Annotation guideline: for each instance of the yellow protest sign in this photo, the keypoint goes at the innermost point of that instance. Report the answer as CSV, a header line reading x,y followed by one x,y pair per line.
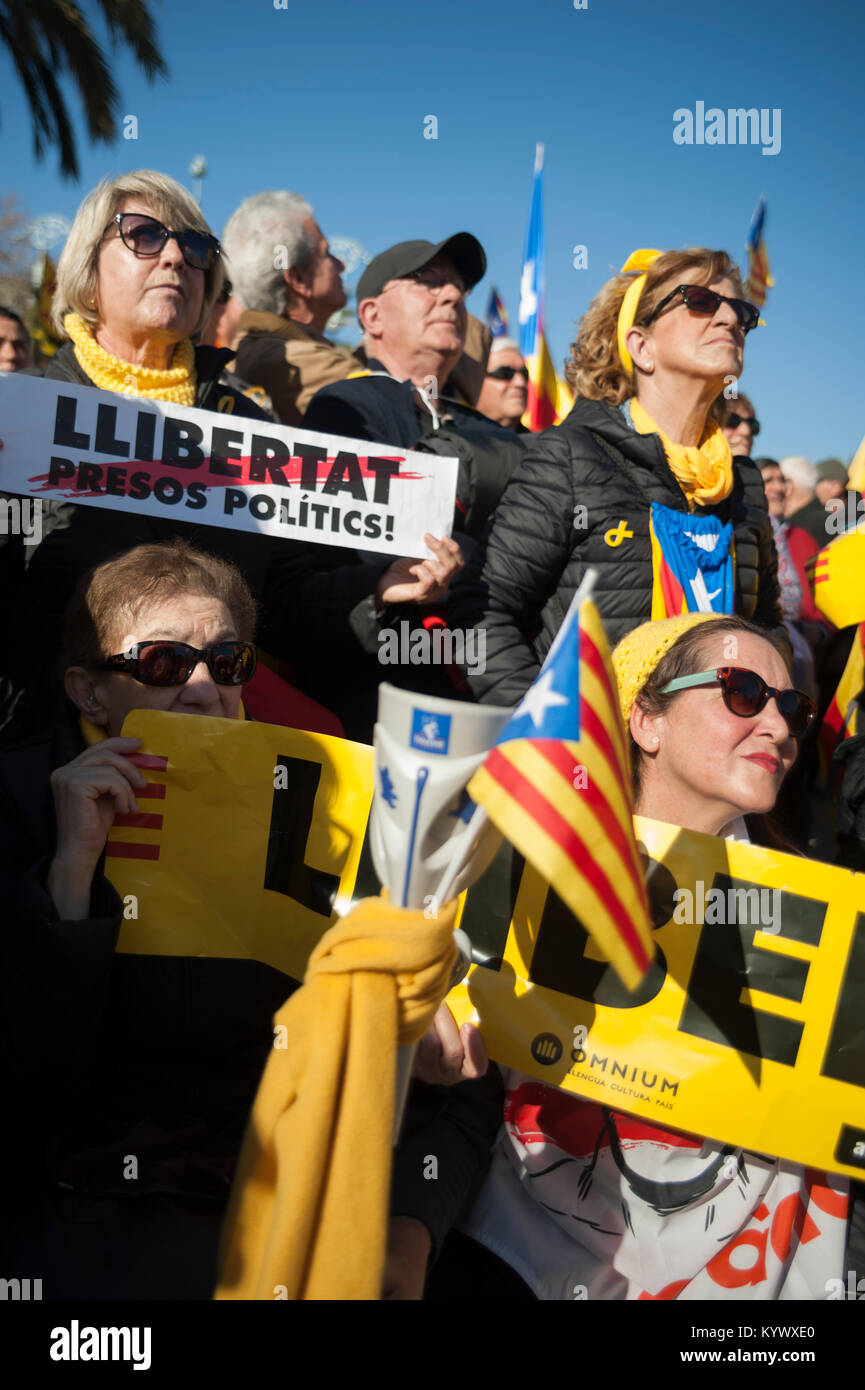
x,y
839,579
749,1026
248,840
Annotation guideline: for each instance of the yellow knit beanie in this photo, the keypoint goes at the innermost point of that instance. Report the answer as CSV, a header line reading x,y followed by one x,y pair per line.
x,y
637,655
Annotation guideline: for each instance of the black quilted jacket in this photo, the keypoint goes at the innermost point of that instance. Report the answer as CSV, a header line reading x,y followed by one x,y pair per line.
x,y
540,544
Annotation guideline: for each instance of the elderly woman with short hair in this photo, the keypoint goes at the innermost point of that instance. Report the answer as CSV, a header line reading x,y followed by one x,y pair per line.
x,y
138,277
108,1055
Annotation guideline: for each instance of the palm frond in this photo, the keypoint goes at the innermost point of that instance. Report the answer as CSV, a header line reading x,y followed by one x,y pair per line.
x,y
50,38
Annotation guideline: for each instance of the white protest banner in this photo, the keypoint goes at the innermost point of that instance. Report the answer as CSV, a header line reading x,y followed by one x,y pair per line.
x,y
131,454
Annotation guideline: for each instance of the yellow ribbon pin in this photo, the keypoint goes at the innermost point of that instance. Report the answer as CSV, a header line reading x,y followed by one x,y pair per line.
x,y
618,533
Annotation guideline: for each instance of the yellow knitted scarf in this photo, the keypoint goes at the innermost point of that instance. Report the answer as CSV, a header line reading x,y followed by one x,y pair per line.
x,y
309,1210
176,384
704,470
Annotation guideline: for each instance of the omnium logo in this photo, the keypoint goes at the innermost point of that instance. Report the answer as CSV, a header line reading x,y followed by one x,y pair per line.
x,y
546,1049
430,732
20,1290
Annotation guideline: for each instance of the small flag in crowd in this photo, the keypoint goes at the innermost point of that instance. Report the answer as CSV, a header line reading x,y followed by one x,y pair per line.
x,y
841,719
759,280
549,398
836,575
557,784
44,333
497,315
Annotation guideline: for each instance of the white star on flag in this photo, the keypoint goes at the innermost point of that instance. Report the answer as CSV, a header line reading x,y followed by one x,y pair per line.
x,y
528,297
702,594
539,699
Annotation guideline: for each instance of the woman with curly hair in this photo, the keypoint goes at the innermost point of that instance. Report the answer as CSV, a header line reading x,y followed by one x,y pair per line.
x,y
638,481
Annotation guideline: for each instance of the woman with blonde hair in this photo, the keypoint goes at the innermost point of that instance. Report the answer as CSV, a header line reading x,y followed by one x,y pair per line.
x,y
638,481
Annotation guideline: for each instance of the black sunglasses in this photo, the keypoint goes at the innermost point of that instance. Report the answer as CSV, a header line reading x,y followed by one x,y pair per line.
x,y
145,236
172,663
701,300
508,373
745,693
734,421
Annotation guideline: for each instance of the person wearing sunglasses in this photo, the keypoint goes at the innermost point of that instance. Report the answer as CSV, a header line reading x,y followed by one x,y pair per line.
x,y
506,385
741,426
638,481
137,280
108,1054
582,1196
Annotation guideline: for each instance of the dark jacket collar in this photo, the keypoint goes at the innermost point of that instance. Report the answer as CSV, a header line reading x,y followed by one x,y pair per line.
x,y
609,422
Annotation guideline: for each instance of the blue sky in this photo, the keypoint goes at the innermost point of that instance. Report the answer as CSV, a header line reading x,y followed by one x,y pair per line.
x,y
329,99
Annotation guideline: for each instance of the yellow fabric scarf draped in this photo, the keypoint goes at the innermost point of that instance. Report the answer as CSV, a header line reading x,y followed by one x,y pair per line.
x,y
176,384
309,1209
704,471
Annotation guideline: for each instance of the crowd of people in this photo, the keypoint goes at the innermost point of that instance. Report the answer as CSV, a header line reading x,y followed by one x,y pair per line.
x,y
649,481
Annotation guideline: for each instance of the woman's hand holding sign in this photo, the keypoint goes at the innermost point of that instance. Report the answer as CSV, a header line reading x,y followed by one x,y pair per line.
x,y
88,792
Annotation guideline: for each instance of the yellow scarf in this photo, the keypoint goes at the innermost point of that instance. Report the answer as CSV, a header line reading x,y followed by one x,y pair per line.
x,y
309,1210
176,384
704,470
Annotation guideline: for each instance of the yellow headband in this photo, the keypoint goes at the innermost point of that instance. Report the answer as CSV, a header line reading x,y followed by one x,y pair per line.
x,y
638,260
642,649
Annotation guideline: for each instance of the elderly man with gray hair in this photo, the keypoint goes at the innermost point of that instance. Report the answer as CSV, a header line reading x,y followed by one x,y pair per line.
x,y
289,283
803,507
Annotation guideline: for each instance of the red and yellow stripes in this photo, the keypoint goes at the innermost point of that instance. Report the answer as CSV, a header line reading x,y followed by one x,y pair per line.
x,y
837,576
841,718
567,806
118,847
668,596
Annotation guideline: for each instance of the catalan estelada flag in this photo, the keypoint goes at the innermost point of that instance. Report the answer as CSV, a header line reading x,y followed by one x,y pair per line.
x,y
557,784
497,315
693,563
549,398
759,281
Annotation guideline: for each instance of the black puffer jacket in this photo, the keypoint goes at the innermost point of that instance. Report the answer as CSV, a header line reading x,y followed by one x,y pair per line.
x,y
540,545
